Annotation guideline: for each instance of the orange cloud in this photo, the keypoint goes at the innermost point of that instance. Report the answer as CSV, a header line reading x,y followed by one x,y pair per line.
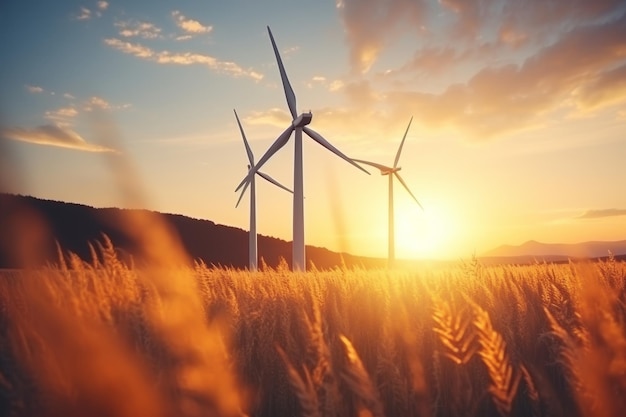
x,y
586,66
52,135
596,214
190,25
371,26
145,30
182,58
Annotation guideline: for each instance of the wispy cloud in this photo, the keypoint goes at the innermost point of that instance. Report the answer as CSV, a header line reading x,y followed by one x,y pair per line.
x,y
131,28
190,26
68,96
575,70
488,68
62,117
86,13
596,214
182,58
96,102
83,14
34,89
466,23
52,135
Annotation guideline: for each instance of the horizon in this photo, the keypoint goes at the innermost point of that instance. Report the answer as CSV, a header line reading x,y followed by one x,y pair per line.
x,y
517,132
488,254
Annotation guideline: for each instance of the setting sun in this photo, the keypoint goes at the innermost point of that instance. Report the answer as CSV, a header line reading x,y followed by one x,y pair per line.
x,y
425,234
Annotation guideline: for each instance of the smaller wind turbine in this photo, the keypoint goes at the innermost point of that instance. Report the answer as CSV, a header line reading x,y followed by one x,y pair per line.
x,y
391,172
252,236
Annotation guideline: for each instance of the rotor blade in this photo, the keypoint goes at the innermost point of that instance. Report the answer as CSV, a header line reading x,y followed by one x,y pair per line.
x,y
395,163
273,181
289,94
242,193
278,143
407,188
245,141
319,139
382,168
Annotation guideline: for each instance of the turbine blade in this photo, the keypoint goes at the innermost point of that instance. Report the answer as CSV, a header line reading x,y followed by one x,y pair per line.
x,y
245,141
319,139
395,163
289,94
407,188
242,193
273,181
382,168
278,143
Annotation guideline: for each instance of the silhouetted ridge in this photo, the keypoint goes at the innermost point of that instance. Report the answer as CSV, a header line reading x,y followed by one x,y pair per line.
x,y
76,225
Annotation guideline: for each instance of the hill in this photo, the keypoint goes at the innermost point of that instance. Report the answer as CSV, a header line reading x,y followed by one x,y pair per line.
x,y
76,225
556,252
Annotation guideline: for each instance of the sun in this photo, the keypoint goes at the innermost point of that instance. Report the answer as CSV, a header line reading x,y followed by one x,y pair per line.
x,y
423,234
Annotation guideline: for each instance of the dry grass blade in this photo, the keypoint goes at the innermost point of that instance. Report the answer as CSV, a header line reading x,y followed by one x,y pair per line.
x,y
304,388
504,379
454,332
358,380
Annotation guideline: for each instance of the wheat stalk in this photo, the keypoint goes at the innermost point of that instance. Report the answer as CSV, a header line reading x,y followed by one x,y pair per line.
x,y
504,379
304,388
358,380
454,332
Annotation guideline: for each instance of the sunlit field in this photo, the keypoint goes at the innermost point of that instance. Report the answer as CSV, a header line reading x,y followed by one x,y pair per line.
x,y
105,338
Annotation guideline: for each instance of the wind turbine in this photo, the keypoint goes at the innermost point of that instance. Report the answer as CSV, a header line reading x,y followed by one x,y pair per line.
x,y
252,237
298,125
391,172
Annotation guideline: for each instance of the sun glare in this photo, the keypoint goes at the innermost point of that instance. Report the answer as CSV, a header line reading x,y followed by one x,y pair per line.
x,y
423,234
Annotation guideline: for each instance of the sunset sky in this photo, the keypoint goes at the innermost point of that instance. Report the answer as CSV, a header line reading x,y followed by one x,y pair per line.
x,y
519,114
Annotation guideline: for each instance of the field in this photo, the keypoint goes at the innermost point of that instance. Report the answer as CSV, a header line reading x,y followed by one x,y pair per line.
x,y
104,338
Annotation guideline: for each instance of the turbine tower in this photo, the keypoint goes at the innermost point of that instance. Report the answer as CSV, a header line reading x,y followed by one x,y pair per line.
x,y
252,236
298,124
391,172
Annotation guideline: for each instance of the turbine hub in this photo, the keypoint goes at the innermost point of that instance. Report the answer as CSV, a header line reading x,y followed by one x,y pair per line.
x,y
390,171
302,120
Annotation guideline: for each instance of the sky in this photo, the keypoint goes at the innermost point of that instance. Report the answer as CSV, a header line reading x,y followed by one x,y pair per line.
x,y
518,107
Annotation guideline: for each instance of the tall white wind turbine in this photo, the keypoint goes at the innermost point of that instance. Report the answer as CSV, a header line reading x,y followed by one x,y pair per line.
x,y
391,172
298,125
252,236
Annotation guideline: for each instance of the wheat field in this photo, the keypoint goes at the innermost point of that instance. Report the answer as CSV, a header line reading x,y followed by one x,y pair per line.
x,y
104,338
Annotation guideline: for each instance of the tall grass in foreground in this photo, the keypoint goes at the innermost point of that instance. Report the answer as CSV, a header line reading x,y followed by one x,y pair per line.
x,y
103,338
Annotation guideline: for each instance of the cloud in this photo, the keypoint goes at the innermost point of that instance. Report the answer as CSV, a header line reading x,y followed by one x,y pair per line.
x,y
96,102
274,116
145,30
87,14
190,25
182,58
62,116
370,25
52,135
605,88
84,14
68,96
596,214
34,89
183,37
583,69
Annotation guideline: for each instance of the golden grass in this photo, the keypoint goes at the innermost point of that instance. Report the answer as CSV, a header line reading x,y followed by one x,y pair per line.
x,y
104,338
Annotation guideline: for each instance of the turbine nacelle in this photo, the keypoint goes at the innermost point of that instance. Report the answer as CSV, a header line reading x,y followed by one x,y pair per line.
x,y
302,120
389,171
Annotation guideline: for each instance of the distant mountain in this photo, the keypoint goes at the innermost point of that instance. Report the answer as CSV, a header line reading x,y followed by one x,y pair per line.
x,y
74,226
559,251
